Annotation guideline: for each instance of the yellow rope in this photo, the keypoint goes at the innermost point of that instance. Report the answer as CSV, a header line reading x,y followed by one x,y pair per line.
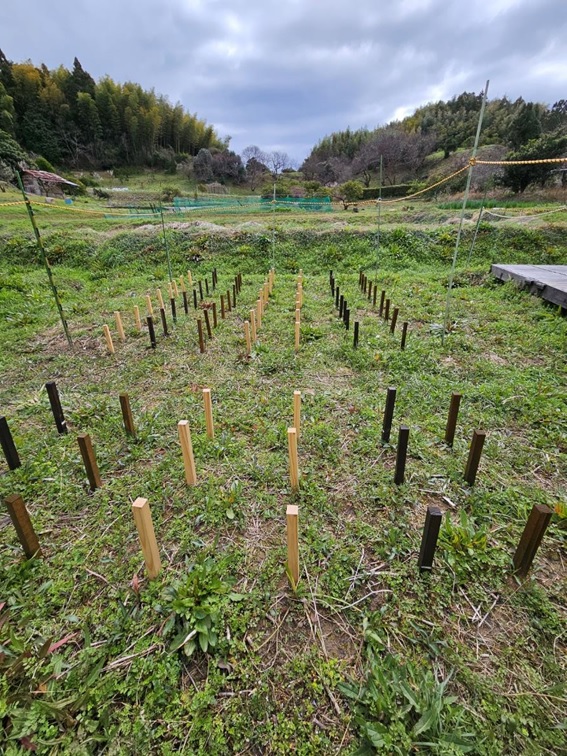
x,y
474,161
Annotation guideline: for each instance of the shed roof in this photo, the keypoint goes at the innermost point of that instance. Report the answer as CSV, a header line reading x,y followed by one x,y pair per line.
x,y
48,178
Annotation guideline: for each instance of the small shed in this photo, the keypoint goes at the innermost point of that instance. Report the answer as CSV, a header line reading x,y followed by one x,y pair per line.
x,y
44,183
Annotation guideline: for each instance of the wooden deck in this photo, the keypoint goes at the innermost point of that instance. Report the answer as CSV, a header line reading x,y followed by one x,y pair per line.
x,y
547,281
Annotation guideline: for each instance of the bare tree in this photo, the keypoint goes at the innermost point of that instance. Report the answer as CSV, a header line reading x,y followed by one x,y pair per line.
x,y
277,162
255,162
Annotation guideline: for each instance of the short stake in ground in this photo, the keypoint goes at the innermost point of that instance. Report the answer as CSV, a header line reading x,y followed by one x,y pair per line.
x,y
253,325
119,326
137,320
356,332
56,408
292,514
293,463
208,324
297,334
149,306
247,338
209,413
388,414
401,455
151,331
127,414
429,539
475,452
147,536
536,526
108,339
404,335
8,445
297,411
22,523
201,339
394,319
89,460
452,418
187,451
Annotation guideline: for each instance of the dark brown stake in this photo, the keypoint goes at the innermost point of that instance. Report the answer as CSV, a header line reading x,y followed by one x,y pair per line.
x,y
151,331
331,278
355,339
337,295
374,295
24,529
173,310
369,290
394,319
429,539
127,414
163,321
89,460
536,526
401,454
208,324
222,306
388,414
341,305
452,419
382,298
360,279
404,334
347,319
364,279
201,339
474,456
333,287
56,408
207,286
194,299
215,323
345,307
185,303
234,295
387,310
200,291
8,445
228,304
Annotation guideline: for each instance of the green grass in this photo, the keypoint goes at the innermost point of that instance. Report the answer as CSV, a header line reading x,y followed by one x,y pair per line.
x,y
367,653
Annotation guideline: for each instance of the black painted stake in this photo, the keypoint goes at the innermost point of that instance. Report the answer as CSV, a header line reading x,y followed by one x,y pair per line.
x,y
382,298
200,331
452,418
387,310
347,319
194,299
8,445
536,526
341,305
404,334
228,305
388,414
151,331
200,291
56,408
337,295
185,303
215,315
163,321
474,456
401,454
394,319
173,310
374,295
208,324
355,339
222,306
429,539
207,286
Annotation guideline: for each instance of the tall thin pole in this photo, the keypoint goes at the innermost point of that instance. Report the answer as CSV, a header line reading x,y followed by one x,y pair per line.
x,y
379,223
45,261
477,226
465,198
274,228
165,244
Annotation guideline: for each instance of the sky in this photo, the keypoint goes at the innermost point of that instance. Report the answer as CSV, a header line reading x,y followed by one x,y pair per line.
x,y
282,74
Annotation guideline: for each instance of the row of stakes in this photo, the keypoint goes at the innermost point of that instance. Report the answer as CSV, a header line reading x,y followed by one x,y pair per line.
x,y
253,326
536,526
370,290
226,305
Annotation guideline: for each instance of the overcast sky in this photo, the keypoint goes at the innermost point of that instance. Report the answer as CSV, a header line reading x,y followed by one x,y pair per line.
x,y
282,74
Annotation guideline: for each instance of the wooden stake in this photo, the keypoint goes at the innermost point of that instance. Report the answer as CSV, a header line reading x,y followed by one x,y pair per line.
x,y
147,536
8,445
190,279
215,322
475,452
201,339
170,290
370,291
404,335
187,451
297,412
374,295
401,454
108,337
207,286
137,319
151,331
194,299
89,460
201,291
356,330
175,289
258,314
209,413
293,463
22,523
163,321
382,298
228,304
337,295
341,305
182,284
56,408
297,334
247,337
394,319
429,538
208,324
222,306
173,309
387,310
185,302
149,306
253,325
127,414
234,295
536,526
119,326
160,299
388,414
297,315
452,419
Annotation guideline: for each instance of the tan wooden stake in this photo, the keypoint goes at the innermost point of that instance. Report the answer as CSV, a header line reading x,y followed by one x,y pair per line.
x,y
147,536
119,326
89,460
187,450
292,514
247,337
160,299
149,305
24,529
253,325
297,334
175,289
137,317
293,465
108,337
190,279
258,314
182,283
297,315
209,413
297,411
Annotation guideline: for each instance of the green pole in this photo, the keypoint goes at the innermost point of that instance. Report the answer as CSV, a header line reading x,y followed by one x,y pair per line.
x,y
465,198
379,223
274,229
165,243
45,261
477,226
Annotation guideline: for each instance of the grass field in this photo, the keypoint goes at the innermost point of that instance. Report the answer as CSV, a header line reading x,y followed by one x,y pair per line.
x,y
367,655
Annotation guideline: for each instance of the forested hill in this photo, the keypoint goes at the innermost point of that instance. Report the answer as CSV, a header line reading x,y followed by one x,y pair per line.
x,y
69,119
524,130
